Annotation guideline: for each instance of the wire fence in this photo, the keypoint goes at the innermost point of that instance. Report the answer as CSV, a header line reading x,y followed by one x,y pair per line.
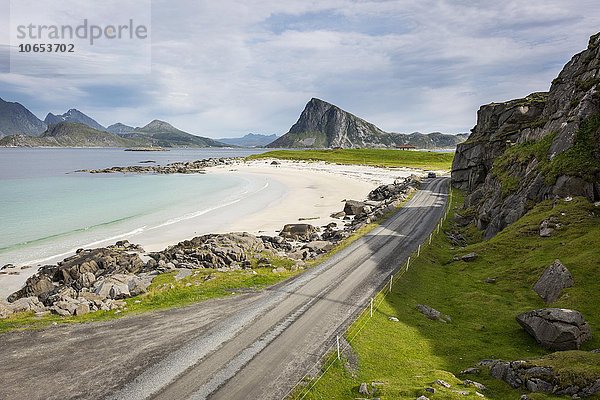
x,y
367,314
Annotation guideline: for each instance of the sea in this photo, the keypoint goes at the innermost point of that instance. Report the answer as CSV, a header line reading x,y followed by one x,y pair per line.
x,y
47,210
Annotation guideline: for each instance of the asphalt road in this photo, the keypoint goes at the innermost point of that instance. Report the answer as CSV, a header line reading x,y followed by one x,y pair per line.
x,y
264,348
250,346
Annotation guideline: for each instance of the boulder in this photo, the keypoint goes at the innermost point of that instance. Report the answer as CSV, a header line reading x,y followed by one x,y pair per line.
x,y
552,281
27,304
302,232
318,246
35,286
469,257
364,389
548,226
432,313
556,328
114,287
354,207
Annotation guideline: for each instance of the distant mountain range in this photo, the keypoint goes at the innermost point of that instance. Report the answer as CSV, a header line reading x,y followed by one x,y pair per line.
x,y
16,119
324,125
73,115
250,140
20,128
321,125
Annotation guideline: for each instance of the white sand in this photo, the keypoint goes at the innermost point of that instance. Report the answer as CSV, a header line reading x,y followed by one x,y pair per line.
x,y
281,194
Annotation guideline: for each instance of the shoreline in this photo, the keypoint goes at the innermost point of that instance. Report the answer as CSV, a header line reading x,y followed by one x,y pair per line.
x,y
295,192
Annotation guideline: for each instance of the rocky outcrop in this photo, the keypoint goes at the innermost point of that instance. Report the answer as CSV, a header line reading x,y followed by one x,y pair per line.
x,y
324,125
556,328
532,376
552,281
527,150
189,167
432,313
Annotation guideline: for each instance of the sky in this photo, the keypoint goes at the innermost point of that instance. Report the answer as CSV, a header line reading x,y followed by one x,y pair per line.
x,y
229,67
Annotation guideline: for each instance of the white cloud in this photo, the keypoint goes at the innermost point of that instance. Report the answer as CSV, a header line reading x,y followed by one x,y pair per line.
x,y
232,67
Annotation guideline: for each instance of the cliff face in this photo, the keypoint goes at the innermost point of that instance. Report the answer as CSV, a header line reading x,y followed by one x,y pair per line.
x,y
543,146
323,125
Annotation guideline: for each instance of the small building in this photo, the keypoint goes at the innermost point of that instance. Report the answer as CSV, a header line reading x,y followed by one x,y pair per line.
x,y
405,147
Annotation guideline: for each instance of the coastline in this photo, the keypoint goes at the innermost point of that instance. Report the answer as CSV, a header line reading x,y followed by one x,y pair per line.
x,y
285,192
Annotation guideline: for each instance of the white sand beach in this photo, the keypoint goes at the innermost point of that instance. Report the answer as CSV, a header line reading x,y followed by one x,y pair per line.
x,y
282,193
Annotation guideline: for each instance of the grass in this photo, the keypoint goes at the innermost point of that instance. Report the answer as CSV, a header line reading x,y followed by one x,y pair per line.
x,y
373,157
407,356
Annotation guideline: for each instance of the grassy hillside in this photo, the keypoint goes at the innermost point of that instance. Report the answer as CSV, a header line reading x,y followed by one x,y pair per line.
x,y
375,157
410,354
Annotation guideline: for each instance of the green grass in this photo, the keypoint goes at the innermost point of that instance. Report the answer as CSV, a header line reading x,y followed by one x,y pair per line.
x,y
374,157
409,355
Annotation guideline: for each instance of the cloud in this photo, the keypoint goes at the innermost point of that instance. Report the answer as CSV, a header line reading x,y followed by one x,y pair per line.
x,y
231,67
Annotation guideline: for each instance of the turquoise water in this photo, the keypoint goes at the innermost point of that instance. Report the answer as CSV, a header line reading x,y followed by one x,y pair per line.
x,y
46,210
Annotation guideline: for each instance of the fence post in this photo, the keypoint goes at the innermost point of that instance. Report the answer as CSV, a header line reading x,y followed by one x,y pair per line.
x,y
391,280
419,251
430,237
407,263
371,307
337,339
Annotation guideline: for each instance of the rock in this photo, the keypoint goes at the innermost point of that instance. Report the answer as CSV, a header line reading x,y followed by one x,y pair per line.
x,y
490,280
5,310
556,328
114,287
552,281
442,383
87,279
592,389
539,385
548,226
318,246
561,112
422,398
279,270
35,286
364,389
82,309
469,257
432,313
393,319
27,304
356,208
302,232
504,371
477,385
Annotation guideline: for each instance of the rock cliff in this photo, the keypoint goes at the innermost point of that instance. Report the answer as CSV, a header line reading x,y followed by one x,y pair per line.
x,y
543,146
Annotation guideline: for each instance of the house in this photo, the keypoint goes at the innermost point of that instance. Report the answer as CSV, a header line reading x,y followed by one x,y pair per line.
x,y
405,147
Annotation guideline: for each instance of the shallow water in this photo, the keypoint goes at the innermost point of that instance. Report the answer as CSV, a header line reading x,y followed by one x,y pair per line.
x,y
47,210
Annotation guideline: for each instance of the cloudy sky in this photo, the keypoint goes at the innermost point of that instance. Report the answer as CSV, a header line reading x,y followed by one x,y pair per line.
x,y
225,68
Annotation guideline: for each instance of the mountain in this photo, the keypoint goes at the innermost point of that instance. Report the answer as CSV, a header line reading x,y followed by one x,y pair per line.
x,y
323,125
120,129
73,115
163,134
16,119
250,140
70,134
543,146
